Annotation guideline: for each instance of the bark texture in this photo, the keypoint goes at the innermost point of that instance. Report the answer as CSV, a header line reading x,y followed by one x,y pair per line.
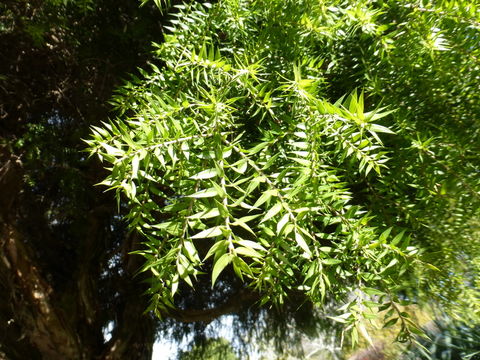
x,y
41,321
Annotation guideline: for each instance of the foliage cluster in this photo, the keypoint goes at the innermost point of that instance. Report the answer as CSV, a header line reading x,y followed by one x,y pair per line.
x,y
239,151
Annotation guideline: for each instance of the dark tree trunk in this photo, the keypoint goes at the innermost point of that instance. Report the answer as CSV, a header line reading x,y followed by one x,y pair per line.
x,y
65,269
39,322
34,317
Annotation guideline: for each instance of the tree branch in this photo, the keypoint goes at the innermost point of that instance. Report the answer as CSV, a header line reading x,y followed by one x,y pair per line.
x,y
241,299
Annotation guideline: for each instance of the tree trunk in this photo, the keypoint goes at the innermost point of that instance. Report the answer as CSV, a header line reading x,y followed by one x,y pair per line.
x,y
38,321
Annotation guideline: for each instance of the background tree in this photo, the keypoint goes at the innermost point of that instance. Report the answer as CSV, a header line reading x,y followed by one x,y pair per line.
x,y
65,273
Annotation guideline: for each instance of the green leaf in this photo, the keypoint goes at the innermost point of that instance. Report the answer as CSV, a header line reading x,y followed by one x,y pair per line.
x,y
384,236
208,233
266,196
391,263
254,183
207,193
220,190
397,238
219,247
331,261
191,251
300,134
170,227
248,252
243,224
390,323
112,150
207,214
240,166
301,242
340,318
205,174
380,129
431,267
246,219
281,224
363,330
274,210
251,244
301,145
135,164
220,264
258,147
304,162
372,292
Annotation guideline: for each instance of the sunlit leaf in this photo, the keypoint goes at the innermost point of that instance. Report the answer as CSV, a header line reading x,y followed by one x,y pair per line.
x,y
220,265
208,233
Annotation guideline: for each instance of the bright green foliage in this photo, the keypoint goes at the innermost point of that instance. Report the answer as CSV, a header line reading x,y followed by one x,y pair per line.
x,y
240,152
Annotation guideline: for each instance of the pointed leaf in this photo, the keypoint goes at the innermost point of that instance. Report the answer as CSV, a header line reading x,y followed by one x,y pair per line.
x,y
248,252
208,233
220,264
301,242
204,193
272,212
380,129
397,238
251,244
283,221
331,261
264,197
205,174
390,323
241,166
219,246
112,150
246,219
135,164
191,251
384,236
207,214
